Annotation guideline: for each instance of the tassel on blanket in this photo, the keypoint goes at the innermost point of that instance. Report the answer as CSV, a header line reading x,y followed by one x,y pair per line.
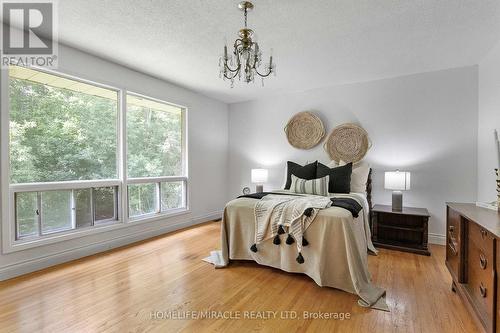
x,y
300,258
253,248
304,241
290,240
281,231
308,212
276,240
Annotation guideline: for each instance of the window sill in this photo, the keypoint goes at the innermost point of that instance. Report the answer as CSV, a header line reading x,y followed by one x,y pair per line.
x,y
24,244
157,216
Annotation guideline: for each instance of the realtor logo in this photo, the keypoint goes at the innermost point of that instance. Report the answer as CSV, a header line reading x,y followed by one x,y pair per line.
x,y
29,34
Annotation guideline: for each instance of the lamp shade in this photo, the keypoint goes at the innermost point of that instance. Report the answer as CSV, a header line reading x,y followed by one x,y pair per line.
x,y
259,176
397,180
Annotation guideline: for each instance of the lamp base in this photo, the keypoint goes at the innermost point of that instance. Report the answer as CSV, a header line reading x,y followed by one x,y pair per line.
x,y
259,188
397,201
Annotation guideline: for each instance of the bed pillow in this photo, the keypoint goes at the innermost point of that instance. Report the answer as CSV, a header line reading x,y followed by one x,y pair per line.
x,y
359,176
318,186
340,177
306,172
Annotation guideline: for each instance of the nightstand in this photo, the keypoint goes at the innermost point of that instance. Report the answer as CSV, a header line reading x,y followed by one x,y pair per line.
x,y
405,230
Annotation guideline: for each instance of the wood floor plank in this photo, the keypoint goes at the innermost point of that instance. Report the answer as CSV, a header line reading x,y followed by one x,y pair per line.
x,y
118,291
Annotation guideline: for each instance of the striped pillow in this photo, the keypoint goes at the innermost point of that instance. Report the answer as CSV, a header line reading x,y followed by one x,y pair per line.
x,y
318,186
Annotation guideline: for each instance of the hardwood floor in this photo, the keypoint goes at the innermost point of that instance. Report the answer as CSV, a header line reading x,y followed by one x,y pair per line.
x,y
118,291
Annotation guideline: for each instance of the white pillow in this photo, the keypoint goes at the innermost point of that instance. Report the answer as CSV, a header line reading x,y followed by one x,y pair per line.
x,y
359,176
333,164
318,186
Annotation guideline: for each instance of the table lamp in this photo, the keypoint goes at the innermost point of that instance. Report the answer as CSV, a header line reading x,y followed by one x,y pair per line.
x,y
397,181
259,177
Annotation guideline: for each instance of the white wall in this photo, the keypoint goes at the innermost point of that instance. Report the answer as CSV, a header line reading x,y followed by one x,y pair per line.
x,y
208,161
488,120
424,123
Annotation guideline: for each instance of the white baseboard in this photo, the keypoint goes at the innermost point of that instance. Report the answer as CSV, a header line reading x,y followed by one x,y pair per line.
x,y
29,266
437,239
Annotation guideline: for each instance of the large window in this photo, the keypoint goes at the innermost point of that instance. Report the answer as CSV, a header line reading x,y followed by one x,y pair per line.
x,y
155,162
71,165
60,129
154,132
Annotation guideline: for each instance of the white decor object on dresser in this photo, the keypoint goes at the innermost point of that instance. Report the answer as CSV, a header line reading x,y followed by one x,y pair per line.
x,y
497,141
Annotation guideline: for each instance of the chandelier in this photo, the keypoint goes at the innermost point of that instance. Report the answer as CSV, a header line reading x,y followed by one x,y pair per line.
x,y
246,58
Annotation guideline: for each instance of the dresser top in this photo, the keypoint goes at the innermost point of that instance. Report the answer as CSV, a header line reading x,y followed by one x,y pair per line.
x,y
486,218
406,210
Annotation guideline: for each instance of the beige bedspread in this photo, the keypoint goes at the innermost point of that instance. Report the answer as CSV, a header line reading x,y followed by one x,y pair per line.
x,y
336,256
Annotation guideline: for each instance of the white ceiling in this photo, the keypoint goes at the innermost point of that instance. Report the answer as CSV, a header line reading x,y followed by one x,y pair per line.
x,y
316,43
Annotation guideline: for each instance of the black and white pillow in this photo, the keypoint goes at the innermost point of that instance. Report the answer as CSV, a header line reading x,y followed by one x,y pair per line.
x,y
318,186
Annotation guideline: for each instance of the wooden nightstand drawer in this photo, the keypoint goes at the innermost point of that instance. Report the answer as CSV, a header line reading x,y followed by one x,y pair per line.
x,y
404,230
397,220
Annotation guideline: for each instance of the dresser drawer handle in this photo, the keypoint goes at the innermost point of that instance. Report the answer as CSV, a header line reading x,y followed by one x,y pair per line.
x,y
452,247
451,228
482,261
484,233
482,290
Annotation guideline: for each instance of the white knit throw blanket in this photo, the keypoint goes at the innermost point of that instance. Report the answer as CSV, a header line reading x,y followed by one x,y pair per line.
x,y
273,211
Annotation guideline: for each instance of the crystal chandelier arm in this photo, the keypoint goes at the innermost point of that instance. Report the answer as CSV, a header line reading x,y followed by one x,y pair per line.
x,y
235,73
232,71
270,69
263,75
237,43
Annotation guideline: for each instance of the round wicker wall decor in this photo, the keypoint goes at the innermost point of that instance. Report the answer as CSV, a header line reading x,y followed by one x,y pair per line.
x,y
304,130
347,142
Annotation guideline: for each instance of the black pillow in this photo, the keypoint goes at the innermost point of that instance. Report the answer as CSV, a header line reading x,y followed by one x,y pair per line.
x,y
307,172
340,177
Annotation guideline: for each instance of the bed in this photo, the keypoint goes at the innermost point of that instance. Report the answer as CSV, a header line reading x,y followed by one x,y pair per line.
x,y
336,256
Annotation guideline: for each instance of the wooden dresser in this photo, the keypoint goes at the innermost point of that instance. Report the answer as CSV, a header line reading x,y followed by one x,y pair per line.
x,y
472,253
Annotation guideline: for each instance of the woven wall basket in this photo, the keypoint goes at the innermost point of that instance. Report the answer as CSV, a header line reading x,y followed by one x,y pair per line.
x,y
304,130
347,142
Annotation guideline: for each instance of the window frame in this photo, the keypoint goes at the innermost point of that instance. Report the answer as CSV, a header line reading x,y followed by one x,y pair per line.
x,y
10,243
158,180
